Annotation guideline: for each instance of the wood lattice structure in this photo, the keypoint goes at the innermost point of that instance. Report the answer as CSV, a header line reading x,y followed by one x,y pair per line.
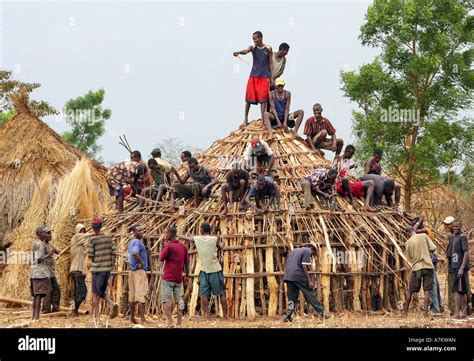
x,y
256,245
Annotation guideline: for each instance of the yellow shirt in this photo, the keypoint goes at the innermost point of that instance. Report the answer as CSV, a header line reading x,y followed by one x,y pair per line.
x,y
418,249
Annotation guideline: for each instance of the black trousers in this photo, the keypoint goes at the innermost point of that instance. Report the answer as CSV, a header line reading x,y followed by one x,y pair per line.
x,y
79,289
52,300
294,289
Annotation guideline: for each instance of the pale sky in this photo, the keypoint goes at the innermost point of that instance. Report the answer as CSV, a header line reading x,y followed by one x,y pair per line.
x,y
167,67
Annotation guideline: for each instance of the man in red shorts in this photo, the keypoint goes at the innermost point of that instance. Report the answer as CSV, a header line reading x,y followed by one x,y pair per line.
x,y
352,189
258,85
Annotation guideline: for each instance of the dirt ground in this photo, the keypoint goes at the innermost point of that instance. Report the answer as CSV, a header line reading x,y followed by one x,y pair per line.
x,y
20,317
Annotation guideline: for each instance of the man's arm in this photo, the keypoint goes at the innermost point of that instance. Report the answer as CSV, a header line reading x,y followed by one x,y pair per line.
x,y
187,239
307,269
367,166
164,253
270,61
465,259
250,203
287,108
243,52
137,257
178,177
214,181
271,161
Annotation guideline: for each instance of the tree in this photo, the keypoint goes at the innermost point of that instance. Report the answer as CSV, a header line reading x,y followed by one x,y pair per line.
x,y
412,95
9,87
87,118
171,149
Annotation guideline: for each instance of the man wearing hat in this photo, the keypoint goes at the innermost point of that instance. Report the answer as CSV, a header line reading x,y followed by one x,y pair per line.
x,y
40,283
101,252
156,153
448,221
258,152
297,278
279,114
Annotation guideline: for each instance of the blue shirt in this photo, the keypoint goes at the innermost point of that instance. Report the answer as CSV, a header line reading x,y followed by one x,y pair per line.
x,y
296,260
137,246
267,191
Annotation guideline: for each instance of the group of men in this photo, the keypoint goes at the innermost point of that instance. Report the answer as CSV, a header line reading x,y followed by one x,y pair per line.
x,y
420,251
95,246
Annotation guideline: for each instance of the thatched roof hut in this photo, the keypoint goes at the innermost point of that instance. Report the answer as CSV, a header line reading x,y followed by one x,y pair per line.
x,y
43,180
360,266
29,149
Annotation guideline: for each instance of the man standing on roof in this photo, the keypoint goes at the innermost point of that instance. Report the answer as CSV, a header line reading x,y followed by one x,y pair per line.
x,y
317,128
297,278
128,172
258,84
101,251
279,63
259,152
279,115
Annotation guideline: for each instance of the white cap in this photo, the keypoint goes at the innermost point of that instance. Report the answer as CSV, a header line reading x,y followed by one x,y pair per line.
x,y
448,220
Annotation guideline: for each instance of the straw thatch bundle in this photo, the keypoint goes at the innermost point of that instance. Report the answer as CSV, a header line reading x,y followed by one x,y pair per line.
x,y
28,150
256,245
61,205
440,201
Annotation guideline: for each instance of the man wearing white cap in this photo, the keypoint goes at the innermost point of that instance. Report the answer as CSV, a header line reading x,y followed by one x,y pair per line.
x,y
279,115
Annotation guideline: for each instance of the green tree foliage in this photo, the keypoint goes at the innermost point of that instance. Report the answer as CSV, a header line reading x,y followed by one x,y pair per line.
x,y
87,118
413,96
9,87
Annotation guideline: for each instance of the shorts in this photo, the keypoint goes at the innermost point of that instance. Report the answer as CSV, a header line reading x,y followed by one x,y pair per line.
x,y
187,190
461,285
426,275
137,286
258,90
356,188
99,283
290,123
211,283
40,286
171,291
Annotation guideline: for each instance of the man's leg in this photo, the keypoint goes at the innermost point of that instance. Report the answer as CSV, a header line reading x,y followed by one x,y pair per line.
x,y
247,109
310,297
223,305
132,312
205,306
119,203
167,308
319,138
267,122
339,145
48,299
427,303
178,297
457,305
369,185
55,295
407,303
299,114
293,292
450,293
346,187
263,109
434,293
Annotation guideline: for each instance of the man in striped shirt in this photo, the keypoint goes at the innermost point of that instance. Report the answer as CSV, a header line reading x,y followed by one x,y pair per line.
x,y
320,182
101,251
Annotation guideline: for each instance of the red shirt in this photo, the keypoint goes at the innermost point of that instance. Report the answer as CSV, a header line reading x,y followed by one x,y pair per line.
x,y
313,127
176,255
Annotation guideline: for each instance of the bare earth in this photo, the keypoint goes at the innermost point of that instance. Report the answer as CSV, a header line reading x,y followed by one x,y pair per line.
x,y
20,317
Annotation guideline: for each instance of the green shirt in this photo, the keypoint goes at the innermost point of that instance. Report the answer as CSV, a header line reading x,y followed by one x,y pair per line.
x,y
418,250
159,175
207,251
102,251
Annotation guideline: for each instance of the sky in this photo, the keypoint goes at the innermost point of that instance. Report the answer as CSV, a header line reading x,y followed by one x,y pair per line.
x,y
167,67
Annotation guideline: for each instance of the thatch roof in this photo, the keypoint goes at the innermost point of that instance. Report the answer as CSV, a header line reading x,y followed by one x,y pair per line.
x,y
29,149
256,245
44,181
